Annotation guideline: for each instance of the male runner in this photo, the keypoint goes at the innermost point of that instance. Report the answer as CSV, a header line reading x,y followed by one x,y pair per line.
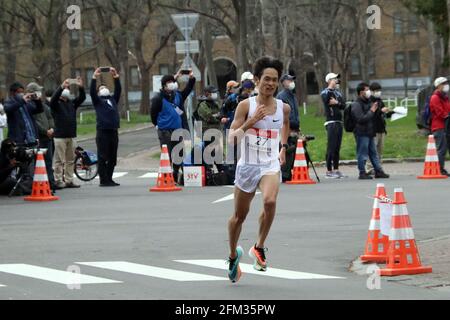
x,y
260,124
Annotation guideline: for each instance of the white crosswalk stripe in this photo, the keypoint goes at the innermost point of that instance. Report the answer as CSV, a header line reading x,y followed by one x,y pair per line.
x,y
116,175
271,272
151,175
150,271
52,275
230,198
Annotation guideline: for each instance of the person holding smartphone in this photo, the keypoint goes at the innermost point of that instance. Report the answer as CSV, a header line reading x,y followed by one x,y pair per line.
x,y
363,112
106,107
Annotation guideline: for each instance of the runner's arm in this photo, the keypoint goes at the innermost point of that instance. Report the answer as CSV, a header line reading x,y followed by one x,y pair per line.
x,y
286,130
240,124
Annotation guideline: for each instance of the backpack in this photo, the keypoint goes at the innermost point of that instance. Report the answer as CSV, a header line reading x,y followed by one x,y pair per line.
x,y
426,116
349,121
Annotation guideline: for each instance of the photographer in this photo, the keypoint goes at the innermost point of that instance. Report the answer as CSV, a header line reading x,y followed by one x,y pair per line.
x,y
334,104
20,108
7,167
108,123
45,126
64,111
208,112
3,120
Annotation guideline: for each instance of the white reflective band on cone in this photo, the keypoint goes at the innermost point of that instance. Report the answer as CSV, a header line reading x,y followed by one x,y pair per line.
x,y
374,225
400,210
165,170
432,146
301,151
401,234
301,163
40,178
40,164
165,156
432,159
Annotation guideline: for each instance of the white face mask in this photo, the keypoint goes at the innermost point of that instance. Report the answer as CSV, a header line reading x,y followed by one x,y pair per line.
x,y
368,94
39,94
338,86
173,86
292,86
214,96
377,94
104,92
20,95
66,93
446,88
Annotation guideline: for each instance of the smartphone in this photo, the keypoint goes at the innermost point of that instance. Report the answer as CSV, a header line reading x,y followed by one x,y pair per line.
x,y
185,72
105,69
73,81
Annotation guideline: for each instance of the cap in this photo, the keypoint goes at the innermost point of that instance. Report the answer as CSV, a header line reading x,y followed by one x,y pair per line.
x,y
440,81
247,76
210,89
332,76
232,84
287,77
165,79
34,87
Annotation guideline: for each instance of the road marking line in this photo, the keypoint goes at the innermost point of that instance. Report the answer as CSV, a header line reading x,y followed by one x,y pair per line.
x,y
151,271
229,198
52,275
271,272
151,175
2,285
116,175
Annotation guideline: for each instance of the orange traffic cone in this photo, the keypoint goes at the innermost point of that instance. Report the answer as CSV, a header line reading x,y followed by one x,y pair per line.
x,y
166,182
300,174
403,254
377,244
41,187
432,166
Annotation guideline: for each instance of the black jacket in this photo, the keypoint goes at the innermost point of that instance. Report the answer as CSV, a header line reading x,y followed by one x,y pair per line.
x,y
380,117
107,108
65,114
333,113
16,124
156,103
5,168
364,117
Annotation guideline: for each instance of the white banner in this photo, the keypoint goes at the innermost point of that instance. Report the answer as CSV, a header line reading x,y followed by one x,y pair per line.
x,y
386,210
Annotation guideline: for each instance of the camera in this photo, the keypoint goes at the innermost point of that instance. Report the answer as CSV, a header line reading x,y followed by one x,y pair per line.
x,y
308,138
105,69
20,154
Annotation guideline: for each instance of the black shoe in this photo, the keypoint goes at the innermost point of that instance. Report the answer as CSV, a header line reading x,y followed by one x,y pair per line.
x,y
365,176
445,173
381,175
115,183
107,185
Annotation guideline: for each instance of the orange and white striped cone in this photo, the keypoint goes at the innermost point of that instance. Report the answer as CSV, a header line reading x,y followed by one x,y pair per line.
x,y
300,173
432,167
41,187
403,254
377,244
166,182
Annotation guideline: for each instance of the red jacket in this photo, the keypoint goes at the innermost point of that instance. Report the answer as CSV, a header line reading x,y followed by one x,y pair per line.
x,y
440,109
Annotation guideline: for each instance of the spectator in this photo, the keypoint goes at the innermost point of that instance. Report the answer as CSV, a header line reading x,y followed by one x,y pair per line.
x,y
363,112
168,112
7,167
232,89
381,115
108,124
440,109
3,120
20,109
209,114
45,127
64,111
247,76
334,104
288,96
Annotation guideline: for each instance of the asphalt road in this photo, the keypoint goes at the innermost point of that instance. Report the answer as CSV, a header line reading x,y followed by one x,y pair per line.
x,y
319,229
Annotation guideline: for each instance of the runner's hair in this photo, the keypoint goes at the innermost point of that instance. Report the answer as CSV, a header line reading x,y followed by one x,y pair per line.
x,y
265,63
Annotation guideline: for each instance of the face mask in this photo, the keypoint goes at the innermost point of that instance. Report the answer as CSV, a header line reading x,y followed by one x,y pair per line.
x,y
377,94
39,94
446,88
20,95
173,86
66,94
368,94
104,92
292,86
338,86
214,96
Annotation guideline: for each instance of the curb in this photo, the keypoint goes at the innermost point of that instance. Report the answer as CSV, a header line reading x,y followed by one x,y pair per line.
x,y
385,161
150,126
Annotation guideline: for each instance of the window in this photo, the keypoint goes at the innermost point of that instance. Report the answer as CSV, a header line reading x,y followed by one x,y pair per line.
x,y
413,24
89,75
74,38
88,39
134,76
398,23
356,66
414,61
164,69
400,62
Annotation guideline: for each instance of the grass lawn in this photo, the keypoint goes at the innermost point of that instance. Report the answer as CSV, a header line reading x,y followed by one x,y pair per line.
x,y
402,140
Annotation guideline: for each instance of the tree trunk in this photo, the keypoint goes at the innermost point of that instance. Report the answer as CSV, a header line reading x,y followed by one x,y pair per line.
x,y
145,89
208,47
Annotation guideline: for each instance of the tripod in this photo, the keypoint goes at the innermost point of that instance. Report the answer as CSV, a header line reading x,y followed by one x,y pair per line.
x,y
309,161
21,172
